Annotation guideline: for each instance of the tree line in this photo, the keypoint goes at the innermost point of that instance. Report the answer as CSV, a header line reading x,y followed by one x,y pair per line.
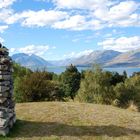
x,y
90,86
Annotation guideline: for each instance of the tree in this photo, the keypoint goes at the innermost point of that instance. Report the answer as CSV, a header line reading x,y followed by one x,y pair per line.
x,y
128,91
71,81
117,78
37,87
20,71
96,87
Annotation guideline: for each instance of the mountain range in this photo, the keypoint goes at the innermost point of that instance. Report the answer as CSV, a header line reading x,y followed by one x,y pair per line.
x,y
106,58
30,61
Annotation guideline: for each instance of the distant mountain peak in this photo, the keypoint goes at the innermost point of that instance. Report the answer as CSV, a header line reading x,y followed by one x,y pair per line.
x,y
106,58
31,61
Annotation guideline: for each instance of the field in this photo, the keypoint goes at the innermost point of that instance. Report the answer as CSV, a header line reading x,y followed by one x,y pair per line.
x,y
73,121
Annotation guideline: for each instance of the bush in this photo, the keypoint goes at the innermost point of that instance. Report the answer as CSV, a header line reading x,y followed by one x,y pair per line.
x,y
96,87
128,91
37,87
70,80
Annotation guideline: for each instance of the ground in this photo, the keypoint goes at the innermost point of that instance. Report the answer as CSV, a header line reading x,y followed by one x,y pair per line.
x,y
74,121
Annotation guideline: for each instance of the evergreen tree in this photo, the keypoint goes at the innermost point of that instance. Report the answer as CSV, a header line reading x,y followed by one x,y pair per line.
x,y
71,81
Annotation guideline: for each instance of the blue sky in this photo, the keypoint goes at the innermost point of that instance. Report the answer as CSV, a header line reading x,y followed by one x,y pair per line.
x,y
59,29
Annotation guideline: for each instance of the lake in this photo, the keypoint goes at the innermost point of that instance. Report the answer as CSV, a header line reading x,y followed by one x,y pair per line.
x,y
59,70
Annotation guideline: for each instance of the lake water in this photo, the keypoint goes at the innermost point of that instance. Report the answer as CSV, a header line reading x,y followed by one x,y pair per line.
x,y
130,71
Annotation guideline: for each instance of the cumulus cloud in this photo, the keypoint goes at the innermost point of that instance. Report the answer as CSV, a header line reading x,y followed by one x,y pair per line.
x,y
77,54
6,3
5,13
3,28
39,18
42,17
121,44
76,22
77,15
31,49
101,14
81,4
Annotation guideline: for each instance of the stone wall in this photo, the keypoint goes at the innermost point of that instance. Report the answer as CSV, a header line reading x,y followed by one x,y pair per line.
x,y
7,105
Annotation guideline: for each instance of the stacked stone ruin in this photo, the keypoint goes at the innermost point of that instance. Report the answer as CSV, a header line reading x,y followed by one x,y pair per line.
x,y
7,113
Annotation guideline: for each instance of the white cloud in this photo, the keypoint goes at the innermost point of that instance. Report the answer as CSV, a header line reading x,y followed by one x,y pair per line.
x,y
31,49
101,14
76,22
120,11
4,14
77,15
42,17
3,28
6,3
77,54
81,4
123,14
121,44
37,18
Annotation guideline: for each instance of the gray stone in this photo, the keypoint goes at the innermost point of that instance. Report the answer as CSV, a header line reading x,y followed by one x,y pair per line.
x,y
5,94
5,83
5,68
4,88
3,122
5,73
7,105
2,100
5,77
4,131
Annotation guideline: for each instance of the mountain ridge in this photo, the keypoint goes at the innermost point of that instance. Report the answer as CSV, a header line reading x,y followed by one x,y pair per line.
x,y
106,58
30,61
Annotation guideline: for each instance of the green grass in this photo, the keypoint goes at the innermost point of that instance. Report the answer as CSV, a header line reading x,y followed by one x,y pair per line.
x,y
73,121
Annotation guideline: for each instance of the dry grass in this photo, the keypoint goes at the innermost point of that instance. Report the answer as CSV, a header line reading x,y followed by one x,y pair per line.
x,y
74,121
133,107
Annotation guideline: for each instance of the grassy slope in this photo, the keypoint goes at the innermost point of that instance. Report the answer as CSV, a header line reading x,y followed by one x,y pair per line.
x,y
57,120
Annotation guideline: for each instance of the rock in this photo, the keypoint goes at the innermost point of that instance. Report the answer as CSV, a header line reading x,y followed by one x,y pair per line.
x,y
7,105
4,132
5,83
5,94
5,68
5,77
4,88
2,100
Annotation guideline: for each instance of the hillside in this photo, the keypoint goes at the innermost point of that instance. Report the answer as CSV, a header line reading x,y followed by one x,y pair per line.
x,y
106,58
127,59
30,61
74,121
99,57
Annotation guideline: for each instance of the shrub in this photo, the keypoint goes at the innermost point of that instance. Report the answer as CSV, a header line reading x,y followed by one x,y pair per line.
x,y
70,80
96,87
37,87
128,91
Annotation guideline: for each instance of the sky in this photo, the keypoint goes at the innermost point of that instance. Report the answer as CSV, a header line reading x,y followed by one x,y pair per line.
x,y
60,29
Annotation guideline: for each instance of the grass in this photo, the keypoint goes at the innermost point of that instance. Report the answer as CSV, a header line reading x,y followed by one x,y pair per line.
x,y
73,121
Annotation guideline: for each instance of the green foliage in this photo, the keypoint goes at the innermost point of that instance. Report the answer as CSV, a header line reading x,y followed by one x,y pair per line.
x,y
71,81
96,87
128,91
18,96
20,71
117,78
37,87
93,86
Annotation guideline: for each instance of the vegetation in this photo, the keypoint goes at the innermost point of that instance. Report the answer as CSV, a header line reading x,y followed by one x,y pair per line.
x,y
70,81
73,121
91,86
37,86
